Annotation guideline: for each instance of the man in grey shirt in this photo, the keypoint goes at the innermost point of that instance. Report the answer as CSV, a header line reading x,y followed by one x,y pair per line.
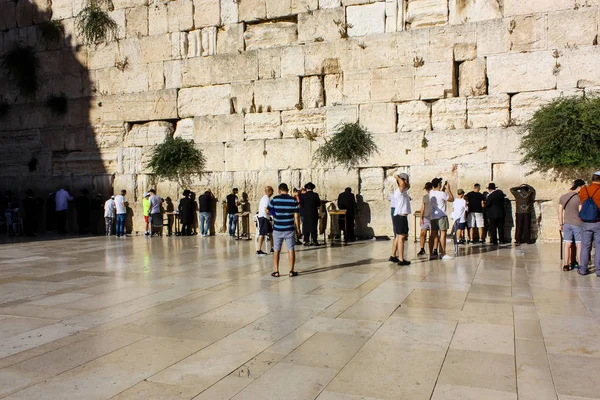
x,y
155,212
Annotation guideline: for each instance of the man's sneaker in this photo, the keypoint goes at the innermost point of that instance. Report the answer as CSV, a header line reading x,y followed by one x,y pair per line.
x,y
583,272
146,233
306,244
435,253
431,258
403,263
446,257
421,253
261,253
461,242
394,259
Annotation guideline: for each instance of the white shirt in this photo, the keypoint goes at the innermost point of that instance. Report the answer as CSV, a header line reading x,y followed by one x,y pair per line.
x,y
438,204
393,198
120,204
62,198
109,208
262,206
401,202
155,202
459,210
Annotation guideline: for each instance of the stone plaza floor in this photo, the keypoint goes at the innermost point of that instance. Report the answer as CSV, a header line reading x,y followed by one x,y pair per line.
x,y
183,318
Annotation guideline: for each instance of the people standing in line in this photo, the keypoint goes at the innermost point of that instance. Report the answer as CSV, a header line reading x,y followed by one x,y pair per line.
x,y
194,213
439,197
30,211
156,218
400,219
285,212
170,217
62,198
121,213
347,201
311,202
96,206
128,219
205,207
186,212
525,200
459,215
84,210
589,197
475,203
232,211
570,224
109,215
146,210
265,229
494,207
425,221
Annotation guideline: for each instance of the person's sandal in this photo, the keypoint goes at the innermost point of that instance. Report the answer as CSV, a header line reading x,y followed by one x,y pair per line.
x,y
566,267
275,274
293,273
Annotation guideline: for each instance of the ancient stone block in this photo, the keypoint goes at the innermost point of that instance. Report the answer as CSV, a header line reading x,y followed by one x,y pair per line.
x,y
243,156
172,74
252,10
129,160
366,19
524,105
312,92
472,78
394,148
372,183
472,148
339,115
242,97
516,7
303,123
278,94
320,25
103,56
503,144
434,80
315,56
577,68
230,39
133,107
443,41
149,134
229,12
119,17
269,63
210,100
156,78
209,41
266,125
329,4
512,73
449,114
207,13
562,32
357,87
270,34
137,21
215,157
527,32
292,61
155,48
492,37
158,19
414,116
421,13
379,117
219,128
185,129
186,44
393,84
488,111
474,11
180,14
334,89
220,69
287,153
465,51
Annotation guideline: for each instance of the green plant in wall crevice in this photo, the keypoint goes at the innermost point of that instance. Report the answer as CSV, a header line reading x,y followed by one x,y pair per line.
x,y
94,24
21,64
177,160
350,145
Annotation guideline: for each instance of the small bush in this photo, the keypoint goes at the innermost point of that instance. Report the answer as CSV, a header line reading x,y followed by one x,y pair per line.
x,y
57,104
95,25
21,64
176,159
52,31
564,136
350,145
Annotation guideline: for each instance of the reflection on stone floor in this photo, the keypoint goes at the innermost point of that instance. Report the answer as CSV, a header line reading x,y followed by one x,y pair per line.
x,y
183,318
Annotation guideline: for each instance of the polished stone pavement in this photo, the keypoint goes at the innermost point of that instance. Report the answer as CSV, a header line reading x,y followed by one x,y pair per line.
x,y
183,318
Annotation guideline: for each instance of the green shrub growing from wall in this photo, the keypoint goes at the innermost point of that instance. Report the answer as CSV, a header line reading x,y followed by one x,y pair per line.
x,y
95,24
176,160
349,146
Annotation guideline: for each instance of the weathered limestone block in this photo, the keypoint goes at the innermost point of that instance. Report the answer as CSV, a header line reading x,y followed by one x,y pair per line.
x,y
270,34
133,107
262,126
521,72
578,68
229,12
332,181
172,74
186,44
210,100
269,63
527,32
103,56
219,128
488,111
130,160
108,135
465,51
414,116
328,4
302,123
287,153
156,77
320,24
442,147
137,21
215,156
503,144
119,17
421,13
366,19
339,115
520,7
283,8
378,117
209,41
393,84
242,97
207,13
434,80
180,14
372,184
243,156
443,40
334,89
149,134
111,81
397,149
292,61
449,114
473,11
319,57
562,32
394,15
185,129
472,78
158,19
252,10
218,69
155,48
524,105
230,39
357,87
278,94
492,37
312,92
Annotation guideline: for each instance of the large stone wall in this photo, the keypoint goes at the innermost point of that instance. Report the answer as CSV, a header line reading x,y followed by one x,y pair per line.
x,y
245,78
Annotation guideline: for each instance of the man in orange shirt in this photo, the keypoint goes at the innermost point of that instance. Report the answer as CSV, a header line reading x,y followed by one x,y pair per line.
x,y
591,229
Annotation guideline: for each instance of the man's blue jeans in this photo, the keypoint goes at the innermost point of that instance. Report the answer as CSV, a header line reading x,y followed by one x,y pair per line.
x,y
204,223
233,221
591,234
121,224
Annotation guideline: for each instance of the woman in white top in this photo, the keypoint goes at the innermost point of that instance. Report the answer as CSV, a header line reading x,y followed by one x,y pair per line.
x,y
401,211
459,215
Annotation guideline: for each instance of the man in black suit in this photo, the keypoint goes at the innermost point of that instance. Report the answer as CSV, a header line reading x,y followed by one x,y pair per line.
x,y
347,201
310,202
186,211
494,207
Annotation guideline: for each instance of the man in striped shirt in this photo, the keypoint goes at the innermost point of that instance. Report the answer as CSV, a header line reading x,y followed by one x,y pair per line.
x,y
285,212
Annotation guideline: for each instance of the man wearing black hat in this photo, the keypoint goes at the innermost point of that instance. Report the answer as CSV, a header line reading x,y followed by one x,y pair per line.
x,y
310,203
494,207
186,211
347,201
570,224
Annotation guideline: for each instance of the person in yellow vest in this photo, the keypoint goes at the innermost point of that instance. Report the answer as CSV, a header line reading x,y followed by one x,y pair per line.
x,y
146,207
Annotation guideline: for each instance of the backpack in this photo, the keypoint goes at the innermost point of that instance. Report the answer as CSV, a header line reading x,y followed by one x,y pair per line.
x,y
589,209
